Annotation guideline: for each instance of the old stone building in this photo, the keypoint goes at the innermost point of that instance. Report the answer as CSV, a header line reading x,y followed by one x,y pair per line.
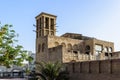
x,y
69,46
85,58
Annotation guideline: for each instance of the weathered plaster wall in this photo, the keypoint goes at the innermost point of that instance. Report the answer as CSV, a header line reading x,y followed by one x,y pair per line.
x,y
95,70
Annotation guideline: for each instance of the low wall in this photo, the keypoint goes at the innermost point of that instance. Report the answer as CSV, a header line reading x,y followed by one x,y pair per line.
x,y
95,70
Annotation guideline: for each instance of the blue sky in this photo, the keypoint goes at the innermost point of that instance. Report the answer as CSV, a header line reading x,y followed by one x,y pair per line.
x,y
95,18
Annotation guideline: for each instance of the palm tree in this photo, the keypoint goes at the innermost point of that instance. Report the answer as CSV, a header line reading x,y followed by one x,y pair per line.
x,y
51,71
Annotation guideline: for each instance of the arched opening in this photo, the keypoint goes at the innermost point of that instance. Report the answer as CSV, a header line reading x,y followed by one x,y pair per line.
x,y
75,51
81,48
75,47
106,49
69,47
110,49
106,52
63,44
87,50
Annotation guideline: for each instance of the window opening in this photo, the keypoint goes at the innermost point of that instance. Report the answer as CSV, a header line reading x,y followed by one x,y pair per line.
x,y
106,54
98,49
52,24
39,47
43,47
47,23
87,50
40,23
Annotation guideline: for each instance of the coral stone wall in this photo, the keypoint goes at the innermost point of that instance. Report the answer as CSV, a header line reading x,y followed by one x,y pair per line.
x,y
95,70
55,54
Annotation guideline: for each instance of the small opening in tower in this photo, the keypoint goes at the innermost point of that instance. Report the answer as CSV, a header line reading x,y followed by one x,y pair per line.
x,y
52,24
37,24
47,23
43,47
52,33
47,32
39,47
39,33
40,23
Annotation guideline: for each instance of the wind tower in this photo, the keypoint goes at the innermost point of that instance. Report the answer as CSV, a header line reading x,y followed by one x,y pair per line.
x,y
46,25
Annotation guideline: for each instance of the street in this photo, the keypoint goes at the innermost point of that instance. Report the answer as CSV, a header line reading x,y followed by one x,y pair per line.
x,y
14,79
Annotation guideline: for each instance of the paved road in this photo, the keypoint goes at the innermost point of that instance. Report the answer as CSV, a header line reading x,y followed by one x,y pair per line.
x,y
14,79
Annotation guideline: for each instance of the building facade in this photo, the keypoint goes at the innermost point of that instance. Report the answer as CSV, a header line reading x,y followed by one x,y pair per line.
x,y
69,46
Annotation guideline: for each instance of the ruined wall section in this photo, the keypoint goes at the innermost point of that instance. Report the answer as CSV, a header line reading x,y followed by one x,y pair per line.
x,y
71,47
105,44
55,53
99,48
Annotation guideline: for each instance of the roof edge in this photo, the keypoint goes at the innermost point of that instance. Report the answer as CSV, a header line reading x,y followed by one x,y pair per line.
x,y
46,14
